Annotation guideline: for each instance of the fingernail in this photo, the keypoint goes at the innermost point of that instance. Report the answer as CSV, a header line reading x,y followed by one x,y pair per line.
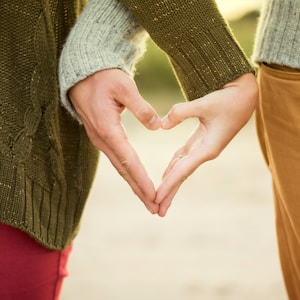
x,y
155,210
165,123
154,123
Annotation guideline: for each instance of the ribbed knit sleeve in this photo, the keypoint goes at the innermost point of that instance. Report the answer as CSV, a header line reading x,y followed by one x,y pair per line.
x,y
105,36
278,34
197,40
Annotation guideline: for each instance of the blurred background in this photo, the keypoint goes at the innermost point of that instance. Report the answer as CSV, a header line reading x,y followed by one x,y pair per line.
x,y
218,239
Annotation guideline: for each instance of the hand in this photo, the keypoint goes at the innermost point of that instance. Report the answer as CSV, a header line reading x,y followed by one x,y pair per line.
x,y
99,101
221,115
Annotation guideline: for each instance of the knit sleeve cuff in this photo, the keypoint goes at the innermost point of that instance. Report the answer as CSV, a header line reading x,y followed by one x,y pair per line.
x,y
207,64
197,40
105,36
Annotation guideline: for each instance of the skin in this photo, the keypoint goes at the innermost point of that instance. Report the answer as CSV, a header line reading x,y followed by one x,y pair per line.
x,y
100,99
221,115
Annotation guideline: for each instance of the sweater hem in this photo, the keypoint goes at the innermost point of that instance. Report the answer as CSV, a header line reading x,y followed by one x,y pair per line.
x,y
22,226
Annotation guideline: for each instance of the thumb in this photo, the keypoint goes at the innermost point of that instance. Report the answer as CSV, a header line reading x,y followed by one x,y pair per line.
x,y
180,112
141,109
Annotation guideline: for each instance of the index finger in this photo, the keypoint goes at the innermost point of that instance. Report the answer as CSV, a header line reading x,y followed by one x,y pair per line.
x,y
128,164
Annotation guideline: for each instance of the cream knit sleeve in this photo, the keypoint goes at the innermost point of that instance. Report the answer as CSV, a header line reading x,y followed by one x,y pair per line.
x,y
278,34
105,36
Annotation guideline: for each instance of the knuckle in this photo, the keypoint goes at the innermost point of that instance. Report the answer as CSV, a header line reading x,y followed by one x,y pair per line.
x,y
125,164
125,88
214,153
144,114
124,168
184,178
122,172
99,135
175,112
102,132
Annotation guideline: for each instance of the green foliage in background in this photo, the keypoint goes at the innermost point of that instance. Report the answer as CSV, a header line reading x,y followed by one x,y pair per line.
x,y
155,78
244,30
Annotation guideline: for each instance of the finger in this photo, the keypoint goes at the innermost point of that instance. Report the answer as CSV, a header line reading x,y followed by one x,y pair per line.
x,y
126,161
100,114
176,157
144,188
180,112
193,141
140,108
185,161
166,193
166,203
171,184
114,144
172,180
133,172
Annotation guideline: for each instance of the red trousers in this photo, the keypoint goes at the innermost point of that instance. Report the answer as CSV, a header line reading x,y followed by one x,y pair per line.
x,y
29,271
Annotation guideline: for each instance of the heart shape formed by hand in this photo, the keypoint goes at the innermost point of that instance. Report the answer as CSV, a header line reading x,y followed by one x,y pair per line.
x,y
100,99
155,148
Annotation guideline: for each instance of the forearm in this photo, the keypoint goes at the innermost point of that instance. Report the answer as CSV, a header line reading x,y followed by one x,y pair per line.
x,y
197,40
106,36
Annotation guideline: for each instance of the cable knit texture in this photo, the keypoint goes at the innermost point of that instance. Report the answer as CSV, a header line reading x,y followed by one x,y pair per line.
x,y
278,39
47,163
105,36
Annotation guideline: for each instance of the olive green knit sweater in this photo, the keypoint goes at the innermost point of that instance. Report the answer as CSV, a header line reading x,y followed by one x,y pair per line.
x,y
192,33
46,161
197,40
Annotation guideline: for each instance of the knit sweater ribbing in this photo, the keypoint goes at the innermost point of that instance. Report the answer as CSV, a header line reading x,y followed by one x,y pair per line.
x,y
105,36
193,34
47,163
196,39
278,34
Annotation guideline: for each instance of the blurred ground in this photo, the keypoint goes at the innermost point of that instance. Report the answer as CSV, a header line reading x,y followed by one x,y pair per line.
x,y
217,241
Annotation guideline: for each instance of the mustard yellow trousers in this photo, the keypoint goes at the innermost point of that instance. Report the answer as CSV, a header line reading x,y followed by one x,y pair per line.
x,y
278,128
